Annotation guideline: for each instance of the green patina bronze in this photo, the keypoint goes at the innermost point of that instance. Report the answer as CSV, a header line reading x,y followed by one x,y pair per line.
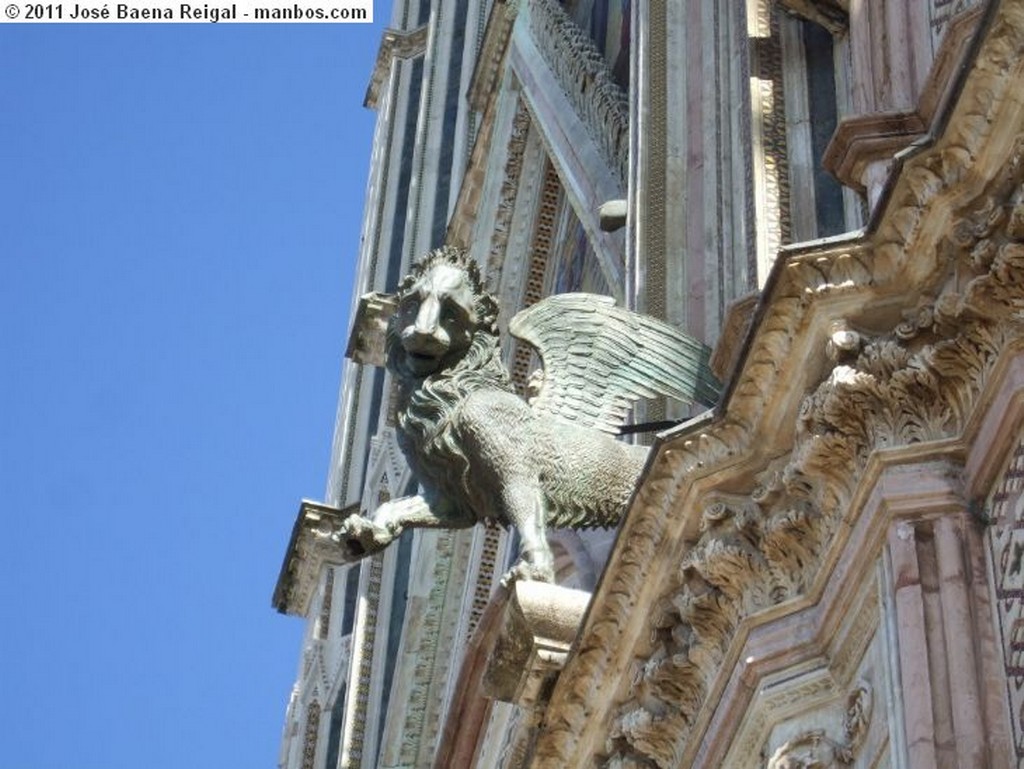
x,y
479,451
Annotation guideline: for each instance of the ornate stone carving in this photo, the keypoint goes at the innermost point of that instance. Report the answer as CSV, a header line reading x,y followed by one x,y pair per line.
x,y
585,78
914,375
509,189
810,750
814,749
857,718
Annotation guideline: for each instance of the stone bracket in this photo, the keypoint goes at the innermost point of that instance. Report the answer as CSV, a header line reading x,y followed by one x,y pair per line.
x,y
310,549
538,625
370,327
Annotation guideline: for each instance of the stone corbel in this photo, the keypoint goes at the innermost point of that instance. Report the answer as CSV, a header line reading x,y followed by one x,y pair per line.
x,y
394,44
369,329
532,639
309,550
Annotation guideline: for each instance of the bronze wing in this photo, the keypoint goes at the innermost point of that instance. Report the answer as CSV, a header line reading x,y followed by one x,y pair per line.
x,y
600,359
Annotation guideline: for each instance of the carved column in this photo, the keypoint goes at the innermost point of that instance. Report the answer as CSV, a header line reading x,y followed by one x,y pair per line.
x,y
938,591
689,191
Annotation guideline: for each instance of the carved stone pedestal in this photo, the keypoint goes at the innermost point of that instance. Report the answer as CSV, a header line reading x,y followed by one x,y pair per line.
x,y
515,657
538,625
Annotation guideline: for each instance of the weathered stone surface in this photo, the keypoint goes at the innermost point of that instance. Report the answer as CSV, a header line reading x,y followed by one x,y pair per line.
x,y
538,627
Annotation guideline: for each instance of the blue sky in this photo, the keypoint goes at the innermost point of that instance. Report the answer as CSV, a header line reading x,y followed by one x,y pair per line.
x,y
180,210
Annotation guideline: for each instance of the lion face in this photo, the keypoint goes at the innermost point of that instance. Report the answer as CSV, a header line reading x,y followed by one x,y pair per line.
x,y
436,319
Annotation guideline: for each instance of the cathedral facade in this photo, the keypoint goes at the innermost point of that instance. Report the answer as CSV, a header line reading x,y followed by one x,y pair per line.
x,y
825,568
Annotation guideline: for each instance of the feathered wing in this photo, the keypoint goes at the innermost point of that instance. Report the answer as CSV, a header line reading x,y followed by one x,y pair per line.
x,y
600,359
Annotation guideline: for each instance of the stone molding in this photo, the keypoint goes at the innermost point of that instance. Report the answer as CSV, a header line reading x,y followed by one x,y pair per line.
x,y
735,328
861,140
394,44
586,80
309,551
797,429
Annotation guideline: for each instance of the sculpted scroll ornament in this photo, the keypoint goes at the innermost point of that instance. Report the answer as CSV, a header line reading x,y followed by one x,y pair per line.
x,y
479,451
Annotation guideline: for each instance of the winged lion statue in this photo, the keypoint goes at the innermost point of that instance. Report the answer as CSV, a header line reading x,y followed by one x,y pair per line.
x,y
479,451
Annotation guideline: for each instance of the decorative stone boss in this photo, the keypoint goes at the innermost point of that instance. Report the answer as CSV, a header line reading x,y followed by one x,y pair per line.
x,y
478,450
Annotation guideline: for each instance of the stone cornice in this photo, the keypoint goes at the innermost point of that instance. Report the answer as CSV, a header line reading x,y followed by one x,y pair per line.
x,y
874,137
886,338
394,44
864,139
586,81
309,550
492,53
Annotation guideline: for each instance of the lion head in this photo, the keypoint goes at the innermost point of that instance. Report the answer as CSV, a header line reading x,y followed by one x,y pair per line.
x,y
442,345
442,305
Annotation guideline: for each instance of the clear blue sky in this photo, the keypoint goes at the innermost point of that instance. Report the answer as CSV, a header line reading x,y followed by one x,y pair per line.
x,y
180,210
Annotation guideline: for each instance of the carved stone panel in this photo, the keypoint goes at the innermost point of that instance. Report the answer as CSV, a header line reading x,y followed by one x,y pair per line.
x,y
1006,544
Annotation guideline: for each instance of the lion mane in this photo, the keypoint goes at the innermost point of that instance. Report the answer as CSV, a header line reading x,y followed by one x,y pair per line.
x,y
427,405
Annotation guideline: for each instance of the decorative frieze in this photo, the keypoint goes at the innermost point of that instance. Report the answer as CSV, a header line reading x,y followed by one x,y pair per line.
x,y
509,190
586,80
426,641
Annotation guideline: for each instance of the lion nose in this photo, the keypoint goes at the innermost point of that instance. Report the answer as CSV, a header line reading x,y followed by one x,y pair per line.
x,y
425,334
427,317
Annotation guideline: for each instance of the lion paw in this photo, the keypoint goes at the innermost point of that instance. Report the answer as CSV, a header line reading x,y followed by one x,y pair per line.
x,y
361,537
528,572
